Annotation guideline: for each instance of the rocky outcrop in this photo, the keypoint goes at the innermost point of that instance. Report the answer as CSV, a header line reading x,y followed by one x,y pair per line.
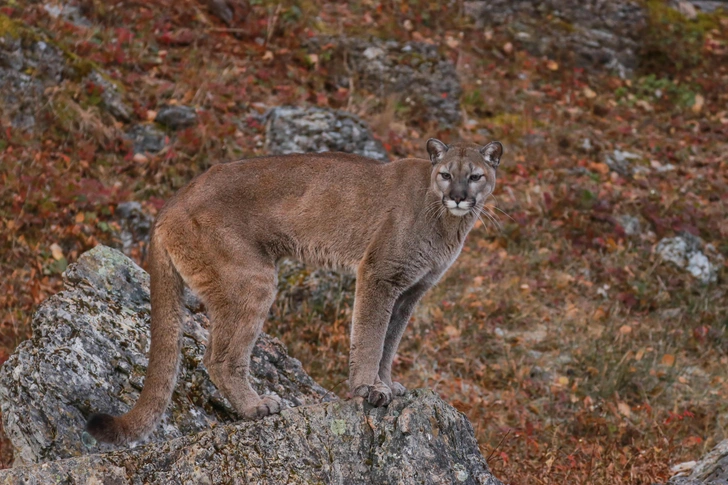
x,y
418,439
88,354
298,130
594,34
712,469
423,81
28,66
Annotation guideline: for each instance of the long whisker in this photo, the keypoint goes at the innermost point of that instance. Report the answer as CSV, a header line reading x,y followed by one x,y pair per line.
x,y
499,209
497,224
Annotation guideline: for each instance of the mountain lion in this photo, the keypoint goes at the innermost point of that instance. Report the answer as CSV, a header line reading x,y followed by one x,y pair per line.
x,y
399,225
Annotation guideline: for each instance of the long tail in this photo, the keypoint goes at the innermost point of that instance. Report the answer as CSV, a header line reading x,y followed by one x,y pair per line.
x,y
166,296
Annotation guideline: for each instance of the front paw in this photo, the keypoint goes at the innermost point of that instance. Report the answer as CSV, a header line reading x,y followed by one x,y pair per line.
x,y
264,406
377,395
398,389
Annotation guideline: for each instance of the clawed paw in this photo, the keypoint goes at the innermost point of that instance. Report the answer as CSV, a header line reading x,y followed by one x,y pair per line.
x,y
398,389
266,405
377,395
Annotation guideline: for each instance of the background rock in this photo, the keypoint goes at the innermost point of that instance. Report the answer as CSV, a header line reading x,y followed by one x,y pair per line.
x,y
686,252
22,93
146,139
299,130
418,439
176,116
414,73
88,354
135,223
595,34
110,97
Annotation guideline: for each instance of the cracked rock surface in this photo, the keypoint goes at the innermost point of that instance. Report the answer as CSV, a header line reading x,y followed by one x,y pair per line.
x,y
88,353
417,439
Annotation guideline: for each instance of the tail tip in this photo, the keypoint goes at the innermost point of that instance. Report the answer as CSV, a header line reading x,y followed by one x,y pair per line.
x,y
103,428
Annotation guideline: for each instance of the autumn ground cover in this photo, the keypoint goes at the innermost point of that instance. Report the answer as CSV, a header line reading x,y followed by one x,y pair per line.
x,y
578,355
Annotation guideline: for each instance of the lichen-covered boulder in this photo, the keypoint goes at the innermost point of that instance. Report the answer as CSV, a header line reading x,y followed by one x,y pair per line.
x,y
88,353
290,129
417,439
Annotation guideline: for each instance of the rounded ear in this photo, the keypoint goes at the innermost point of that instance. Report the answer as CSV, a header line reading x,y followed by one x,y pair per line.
x,y
492,153
436,149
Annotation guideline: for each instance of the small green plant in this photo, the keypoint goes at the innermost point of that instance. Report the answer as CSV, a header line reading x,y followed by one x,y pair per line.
x,y
653,89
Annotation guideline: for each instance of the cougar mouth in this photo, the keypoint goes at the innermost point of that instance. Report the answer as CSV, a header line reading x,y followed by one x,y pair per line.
x,y
458,208
459,212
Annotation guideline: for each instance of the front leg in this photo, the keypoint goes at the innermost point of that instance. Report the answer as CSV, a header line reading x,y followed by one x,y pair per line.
x,y
374,300
401,313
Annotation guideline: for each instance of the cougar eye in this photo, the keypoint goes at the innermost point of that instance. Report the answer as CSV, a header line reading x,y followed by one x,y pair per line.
x,y
476,177
445,176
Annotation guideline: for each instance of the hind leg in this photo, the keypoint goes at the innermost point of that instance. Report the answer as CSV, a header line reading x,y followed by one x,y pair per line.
x,y
238,303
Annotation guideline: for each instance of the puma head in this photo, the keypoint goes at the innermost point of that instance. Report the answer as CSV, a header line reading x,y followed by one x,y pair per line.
x,y
463,174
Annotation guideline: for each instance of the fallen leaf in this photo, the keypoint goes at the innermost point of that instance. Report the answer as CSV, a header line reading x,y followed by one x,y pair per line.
x,y
625,329
552,65
589,93
507,47
668,360
624,409
699,102
56,252
452,42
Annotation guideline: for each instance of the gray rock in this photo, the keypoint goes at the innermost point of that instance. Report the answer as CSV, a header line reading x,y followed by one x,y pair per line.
x,y
88,354
110,97
176,116
711,6
686,252
68,11
418,439
594,34
619,161
712,469
299,130
27,68
631,224
415,73
146,139
135,224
